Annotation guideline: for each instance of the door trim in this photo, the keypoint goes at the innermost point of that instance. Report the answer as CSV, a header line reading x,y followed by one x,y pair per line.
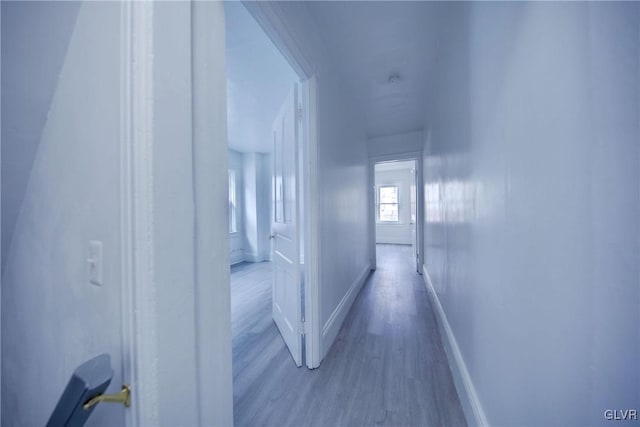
x,y
311,225
206,395
409,155
138,287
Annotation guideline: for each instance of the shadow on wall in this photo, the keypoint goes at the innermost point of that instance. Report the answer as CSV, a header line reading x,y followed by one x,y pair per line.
x,y
35,38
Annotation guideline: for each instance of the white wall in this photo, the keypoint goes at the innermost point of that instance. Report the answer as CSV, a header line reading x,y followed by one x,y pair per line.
x,y
251,242
257,207
213,389
53,318
174,213
264,211
532,174
396,233
249,214
236,240
410,142
36,37
344,237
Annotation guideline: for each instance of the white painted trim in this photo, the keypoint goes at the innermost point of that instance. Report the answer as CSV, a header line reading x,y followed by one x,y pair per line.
x,y
139,311
250,257
335,321
0,230
312,227
126,207
471,405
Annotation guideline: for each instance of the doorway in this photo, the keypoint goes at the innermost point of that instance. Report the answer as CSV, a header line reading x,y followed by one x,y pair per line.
x,y
270,117
395,207
177,258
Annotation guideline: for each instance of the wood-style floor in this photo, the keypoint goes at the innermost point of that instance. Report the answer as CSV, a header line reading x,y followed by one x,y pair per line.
x,y
386,367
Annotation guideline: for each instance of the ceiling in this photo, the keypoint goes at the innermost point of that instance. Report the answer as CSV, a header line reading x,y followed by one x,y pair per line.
x,y
373,41
384,49
258,81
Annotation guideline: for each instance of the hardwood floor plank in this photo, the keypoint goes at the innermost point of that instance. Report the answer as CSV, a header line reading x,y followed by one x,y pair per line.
x,y
387,366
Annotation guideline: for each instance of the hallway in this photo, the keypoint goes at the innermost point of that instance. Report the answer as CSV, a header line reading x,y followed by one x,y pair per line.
x,y
387,366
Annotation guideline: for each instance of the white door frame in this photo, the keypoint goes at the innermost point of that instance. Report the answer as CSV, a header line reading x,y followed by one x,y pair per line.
x,y
410,155
142,359
136,204
205,395
269,17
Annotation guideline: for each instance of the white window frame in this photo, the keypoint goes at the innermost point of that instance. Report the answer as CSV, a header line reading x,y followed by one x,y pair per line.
x,y
379,203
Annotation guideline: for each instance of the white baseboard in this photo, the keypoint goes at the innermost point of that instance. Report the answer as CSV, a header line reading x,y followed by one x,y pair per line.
x,y
235,258
235,254
251,257
471,406
254,257
265,256
334,323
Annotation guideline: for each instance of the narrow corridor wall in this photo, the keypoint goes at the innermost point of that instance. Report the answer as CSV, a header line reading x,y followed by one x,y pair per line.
x,y
532,225
35,40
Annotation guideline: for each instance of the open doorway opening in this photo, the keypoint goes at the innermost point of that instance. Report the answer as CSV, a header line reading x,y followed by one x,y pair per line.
x,y
396,211
395,196
268,121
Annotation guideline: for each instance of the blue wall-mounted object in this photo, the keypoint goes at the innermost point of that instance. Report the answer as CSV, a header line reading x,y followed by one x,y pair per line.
x,y
89,380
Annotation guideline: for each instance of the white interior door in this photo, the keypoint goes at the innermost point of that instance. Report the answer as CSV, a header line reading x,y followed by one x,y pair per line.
x,y
286,290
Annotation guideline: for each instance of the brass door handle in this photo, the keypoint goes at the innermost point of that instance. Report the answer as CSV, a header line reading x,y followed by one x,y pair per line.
x,y
123,397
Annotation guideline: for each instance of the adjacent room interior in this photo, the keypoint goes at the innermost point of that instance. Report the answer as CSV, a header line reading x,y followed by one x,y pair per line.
x,y
255,95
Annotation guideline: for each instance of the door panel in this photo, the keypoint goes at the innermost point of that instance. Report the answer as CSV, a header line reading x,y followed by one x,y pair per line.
x,y
286,301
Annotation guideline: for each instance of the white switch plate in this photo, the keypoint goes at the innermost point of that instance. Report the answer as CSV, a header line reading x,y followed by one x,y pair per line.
x,y
94,262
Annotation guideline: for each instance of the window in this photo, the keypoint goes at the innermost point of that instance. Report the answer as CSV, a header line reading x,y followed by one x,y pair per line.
x,y
388,203
233,223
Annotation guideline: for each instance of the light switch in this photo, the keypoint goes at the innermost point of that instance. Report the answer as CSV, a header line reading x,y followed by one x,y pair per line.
x,y
94,262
